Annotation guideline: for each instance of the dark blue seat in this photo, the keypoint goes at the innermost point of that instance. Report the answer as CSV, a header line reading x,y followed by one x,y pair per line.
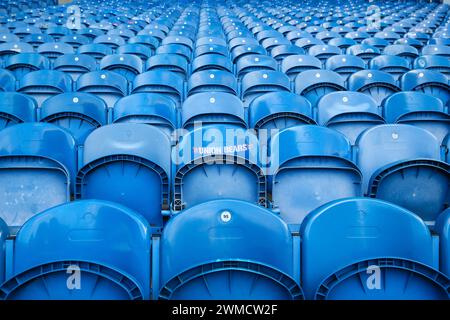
x,y
419,109
127,163
79,113
37,170
127,65
310,166
348,112
212,81
394,65
427,81
218,162
23,63
377,84
16,108
314,84
78,239
401,164
8,37
111,41
75,64
351,249
53,50
107,85
345,64
227,249
160,81
44,84
149,108
75,40
295,64
8,49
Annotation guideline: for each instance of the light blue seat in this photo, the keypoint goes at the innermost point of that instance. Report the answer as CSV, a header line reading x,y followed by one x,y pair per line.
x,y
23,63
211,61
16,108
112,41
394,65
107,85
168,61
310,166
36,39
75,64
105,244
401,164
149,108
254,62
95,50
314,84
79,113
137,49
402,50
127,65
217,161
44,84
256,83
53,50
351,250
8,49
348,112
345,65
282,51
147,40
7,81
323,52
295,64
212,81
434,63
165,82
227,250
436,49
245,49
364,51
37,170
427,81
375,83
127,163
442,228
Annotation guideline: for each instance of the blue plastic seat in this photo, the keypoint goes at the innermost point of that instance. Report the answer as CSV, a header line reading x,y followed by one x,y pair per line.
x,y
358,36
345,64
271,43
306,43
364,51
4,233
8,37
376,42
95,50
387,35
434,63
217,162
112,260
146,40
111,41
282,51
79,113
310,166
16,108
366,249
323,52
436,49
90,33
243,50
295,64
124,33
139,50
411,42
240,41
314,84
53,50
175,48
75,40
58,32
401,164
442,228
75,64
419,109
394,65
127,163
212,81
297,34
228,250
278,111
342,43
377,84
427,81
168,61
211,48
327,35
11,48
149,108
348,112
212,108
109,86
211,61
37,170
160,81
256,83
44,83
23,63
127,65
405,51
36,39
254,62
210,41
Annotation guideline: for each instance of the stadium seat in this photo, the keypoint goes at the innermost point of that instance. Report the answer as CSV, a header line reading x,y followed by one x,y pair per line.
x,y
127,65
442,229
375,83
95,50
23,63
282,51
364,51
351,249
209,108
306,43
168,61
376,42
104,242
228,250
212,80
401,164
8,37
427,81
37,170
111,41
419,109
11,48
160,81
218,161
36,39
439,50
342,43
107,85
127,163
348,112
295,64
434,63
243,50
146,40
75,40
79,113
75,64
394,65
16,108
139,50
314,84
211,61
44,83
175,48
211,48
53,50
323,52
345,65
149,108
254,62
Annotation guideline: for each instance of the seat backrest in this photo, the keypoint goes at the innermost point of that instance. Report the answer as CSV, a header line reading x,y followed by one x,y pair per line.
x,y
16,108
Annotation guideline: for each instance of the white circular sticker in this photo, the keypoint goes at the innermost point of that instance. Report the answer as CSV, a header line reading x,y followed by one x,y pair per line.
x,y
225,216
